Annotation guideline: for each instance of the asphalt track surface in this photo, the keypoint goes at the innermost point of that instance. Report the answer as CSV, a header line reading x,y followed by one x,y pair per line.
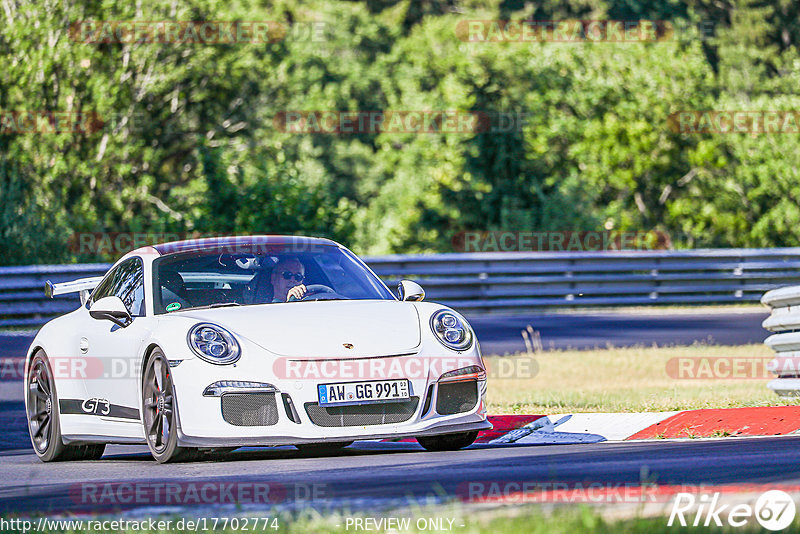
x,y
372,476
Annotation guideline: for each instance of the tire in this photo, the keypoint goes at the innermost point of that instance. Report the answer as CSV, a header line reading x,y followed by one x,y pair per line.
x,y
44,424
158,412
448,442
333,446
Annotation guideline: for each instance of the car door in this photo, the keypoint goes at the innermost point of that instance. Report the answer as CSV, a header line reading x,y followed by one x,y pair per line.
x,y
114,352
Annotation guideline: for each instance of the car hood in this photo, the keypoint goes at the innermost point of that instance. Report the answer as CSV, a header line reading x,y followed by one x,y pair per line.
x,y
322,329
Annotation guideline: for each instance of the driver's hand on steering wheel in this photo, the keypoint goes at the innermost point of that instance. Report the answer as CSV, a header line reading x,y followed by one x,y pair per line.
x,y
298,292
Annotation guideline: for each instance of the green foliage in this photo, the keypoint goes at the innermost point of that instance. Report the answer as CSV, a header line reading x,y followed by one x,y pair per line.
x,y
186,137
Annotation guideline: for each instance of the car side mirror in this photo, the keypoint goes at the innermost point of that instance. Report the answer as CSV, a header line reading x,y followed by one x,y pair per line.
x,y
411,291
112,309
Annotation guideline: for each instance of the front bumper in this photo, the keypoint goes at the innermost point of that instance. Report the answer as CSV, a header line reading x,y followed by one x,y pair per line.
x,y
201,422
274,440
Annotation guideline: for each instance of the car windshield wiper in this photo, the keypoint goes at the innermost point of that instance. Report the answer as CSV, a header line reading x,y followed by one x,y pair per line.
x,y
217,305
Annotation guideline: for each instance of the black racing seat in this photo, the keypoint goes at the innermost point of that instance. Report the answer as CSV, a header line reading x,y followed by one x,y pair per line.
x,y
173,289
259,290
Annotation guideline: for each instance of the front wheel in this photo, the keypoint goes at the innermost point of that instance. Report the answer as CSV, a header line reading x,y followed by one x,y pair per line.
x,y
158,417
448,442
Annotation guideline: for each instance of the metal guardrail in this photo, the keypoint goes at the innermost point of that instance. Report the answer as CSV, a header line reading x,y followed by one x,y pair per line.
x,y
784,322
22,298
504,282
517,281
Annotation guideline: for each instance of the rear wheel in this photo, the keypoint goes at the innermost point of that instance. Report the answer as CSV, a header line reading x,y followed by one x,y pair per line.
x,y
448,442
158,401
44,426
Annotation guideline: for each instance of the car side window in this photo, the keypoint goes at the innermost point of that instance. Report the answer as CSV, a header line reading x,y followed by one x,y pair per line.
x,y
103,289
129,286
126,281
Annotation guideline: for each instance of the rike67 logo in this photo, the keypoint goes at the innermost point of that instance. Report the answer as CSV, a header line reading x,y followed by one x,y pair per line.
x,y
774,510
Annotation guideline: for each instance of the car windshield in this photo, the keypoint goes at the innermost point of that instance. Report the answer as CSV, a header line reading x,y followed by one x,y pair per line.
x,y
203,279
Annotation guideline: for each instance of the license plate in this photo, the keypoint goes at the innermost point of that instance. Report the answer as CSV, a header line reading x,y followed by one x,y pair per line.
x,y
362,392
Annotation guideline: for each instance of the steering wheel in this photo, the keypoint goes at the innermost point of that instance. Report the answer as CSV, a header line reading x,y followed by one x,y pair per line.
x,y
315,290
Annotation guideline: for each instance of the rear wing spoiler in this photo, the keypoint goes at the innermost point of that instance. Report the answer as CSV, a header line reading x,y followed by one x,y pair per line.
x,y
84,286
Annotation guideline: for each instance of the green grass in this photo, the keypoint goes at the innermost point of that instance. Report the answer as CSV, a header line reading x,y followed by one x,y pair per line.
x,y
505,520
533,520
622,380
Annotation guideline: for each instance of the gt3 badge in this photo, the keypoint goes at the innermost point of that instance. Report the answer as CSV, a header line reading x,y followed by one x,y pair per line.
x,y
96,406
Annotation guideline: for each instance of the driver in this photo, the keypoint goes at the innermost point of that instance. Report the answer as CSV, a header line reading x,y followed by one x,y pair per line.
x,y
287,280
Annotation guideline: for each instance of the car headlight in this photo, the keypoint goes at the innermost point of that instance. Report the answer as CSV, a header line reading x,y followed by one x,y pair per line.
x,y
451,330
213,343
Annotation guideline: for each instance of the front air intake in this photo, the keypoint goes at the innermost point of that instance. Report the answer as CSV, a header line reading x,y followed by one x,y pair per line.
x,y
384,413
457,397
250,409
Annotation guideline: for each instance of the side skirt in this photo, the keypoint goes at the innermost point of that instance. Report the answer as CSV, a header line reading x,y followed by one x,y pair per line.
x,y
111,440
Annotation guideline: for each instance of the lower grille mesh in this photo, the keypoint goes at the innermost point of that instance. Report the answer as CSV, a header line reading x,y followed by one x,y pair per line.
x,y
457,397
362,415
250,409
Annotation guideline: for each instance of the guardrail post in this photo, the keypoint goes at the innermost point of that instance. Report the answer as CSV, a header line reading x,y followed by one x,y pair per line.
x,y
657,282
569,275
484,277
739,271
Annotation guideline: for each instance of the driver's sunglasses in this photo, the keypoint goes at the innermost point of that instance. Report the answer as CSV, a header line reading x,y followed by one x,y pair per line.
x,y
287,275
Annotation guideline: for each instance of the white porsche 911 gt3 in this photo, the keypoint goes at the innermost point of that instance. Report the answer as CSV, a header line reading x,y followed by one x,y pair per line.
x,y
214,344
